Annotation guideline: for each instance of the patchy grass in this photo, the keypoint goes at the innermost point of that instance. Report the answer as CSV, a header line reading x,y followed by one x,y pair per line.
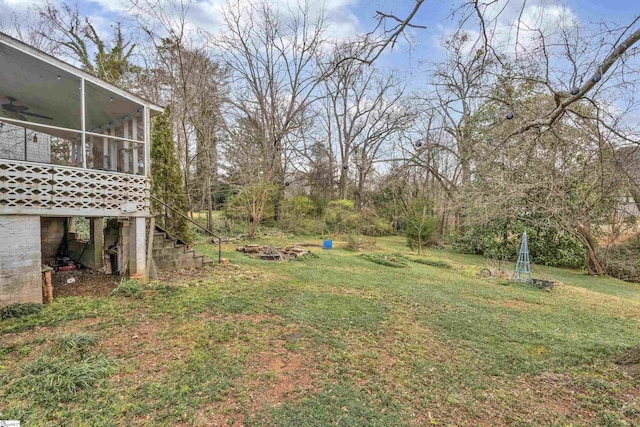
x,y
18,310
128,288
77,341
50,380
432,263
395,260
336,340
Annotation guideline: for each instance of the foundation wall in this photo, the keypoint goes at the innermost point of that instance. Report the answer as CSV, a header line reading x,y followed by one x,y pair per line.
x,y
20,259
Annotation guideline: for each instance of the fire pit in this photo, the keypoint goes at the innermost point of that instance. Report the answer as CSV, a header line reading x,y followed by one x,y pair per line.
x,y
272,253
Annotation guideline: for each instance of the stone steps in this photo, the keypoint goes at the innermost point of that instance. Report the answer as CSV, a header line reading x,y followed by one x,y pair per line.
x,y
170,253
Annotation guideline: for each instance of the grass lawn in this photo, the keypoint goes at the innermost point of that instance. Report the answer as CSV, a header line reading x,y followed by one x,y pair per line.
x,y
332,340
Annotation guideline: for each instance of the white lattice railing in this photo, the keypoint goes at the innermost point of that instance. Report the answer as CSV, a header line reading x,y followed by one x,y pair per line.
x,y
50,189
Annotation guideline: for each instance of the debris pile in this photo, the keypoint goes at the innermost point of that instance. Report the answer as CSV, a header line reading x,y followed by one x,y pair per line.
x,y
272,253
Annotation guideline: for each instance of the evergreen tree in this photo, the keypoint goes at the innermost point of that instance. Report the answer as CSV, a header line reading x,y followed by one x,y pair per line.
x,y
166,180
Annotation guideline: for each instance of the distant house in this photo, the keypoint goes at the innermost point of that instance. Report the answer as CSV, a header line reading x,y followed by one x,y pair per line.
x,y
71,145
628,159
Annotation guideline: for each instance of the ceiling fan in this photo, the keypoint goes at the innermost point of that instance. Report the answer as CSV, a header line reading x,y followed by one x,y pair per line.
x,y
20,110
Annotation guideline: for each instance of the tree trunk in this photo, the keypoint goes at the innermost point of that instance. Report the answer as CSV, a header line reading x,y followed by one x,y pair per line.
x,y
594,265
360,191
209,209
278,181
342,187
444,218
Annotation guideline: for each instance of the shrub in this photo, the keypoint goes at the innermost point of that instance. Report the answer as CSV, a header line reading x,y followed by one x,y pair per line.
x,y
359,243
420,224
299,206
372,224
19,310
128,288
623,260
419,231
501,240
298,216
341,216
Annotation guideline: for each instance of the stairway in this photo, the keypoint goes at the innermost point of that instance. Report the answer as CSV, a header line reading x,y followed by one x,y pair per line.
x,y
170,253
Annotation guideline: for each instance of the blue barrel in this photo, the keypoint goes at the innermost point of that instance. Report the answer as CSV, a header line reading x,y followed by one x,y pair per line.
x,y
327,244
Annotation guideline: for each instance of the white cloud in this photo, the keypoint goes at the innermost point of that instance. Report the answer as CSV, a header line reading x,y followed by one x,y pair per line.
x,y
203,15
18,4
518,24
113,5
521,25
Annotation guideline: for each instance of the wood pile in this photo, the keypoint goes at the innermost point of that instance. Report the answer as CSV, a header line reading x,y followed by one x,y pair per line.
x,y
250,249
295,252
271,253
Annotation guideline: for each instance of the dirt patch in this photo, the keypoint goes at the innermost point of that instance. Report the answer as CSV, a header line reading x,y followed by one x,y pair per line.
x,y
145,345
283,374
85,282
190,274
508,303
272,376
308,245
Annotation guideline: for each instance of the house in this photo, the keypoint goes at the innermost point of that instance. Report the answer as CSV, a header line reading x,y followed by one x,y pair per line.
x,y
628,161
71,145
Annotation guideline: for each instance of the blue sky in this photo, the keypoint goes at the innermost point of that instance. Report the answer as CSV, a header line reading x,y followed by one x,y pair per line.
x,y
437,16
348,17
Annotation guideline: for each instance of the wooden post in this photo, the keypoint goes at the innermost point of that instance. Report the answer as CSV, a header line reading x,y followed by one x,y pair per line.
x,y
47,286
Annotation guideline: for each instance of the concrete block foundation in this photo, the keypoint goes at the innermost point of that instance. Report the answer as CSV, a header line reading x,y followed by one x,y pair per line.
x,y
20,259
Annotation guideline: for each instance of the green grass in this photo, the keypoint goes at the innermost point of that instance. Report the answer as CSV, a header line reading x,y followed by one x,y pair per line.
x,y
334,340
394,260
441,264
50,380
18,310
77,341
128,288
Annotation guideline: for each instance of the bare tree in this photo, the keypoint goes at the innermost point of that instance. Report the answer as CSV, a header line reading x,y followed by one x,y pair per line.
x,y
63,30
185,77
366,112
271,56
565,178
613,46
